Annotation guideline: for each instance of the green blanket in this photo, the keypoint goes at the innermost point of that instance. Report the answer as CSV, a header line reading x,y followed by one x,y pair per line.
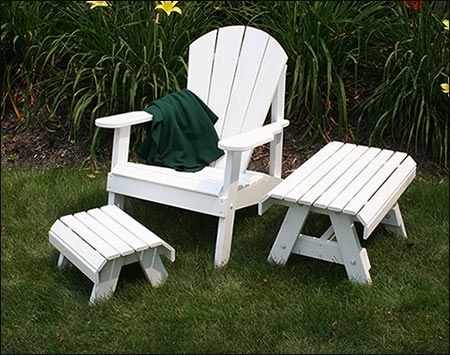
x,y
181,134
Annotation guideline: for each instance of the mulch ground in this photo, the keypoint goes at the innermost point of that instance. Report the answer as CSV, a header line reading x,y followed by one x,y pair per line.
x,y
38,146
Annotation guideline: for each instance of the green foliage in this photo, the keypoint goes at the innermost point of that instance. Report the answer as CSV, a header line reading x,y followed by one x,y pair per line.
x,y
366,71
406,104
249,306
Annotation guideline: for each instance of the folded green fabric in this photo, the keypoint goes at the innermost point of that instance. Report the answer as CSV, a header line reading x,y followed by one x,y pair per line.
x,y
181,134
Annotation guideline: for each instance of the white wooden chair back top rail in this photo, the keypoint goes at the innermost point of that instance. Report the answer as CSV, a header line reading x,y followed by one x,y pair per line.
x,y
228,69
208,180
344,177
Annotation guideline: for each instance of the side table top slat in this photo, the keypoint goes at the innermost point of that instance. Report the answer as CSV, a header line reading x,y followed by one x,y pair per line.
x,y
295,194
330,178
307,168
346,179
358,202
359,181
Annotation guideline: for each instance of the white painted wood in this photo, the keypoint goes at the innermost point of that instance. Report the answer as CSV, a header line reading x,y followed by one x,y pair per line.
x,y
386,196
121,146
355,257
360,199
393,222
359,181
116,199
123,119
326,250
117,229
228,47
146,235
201,60
107,283
346,179
295,194
254,45
72,241
253,138
288,233
90,237
305,170
104,233
331,176
153,268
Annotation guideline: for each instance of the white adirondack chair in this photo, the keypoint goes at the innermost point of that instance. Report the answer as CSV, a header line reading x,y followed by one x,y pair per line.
x,y
239,72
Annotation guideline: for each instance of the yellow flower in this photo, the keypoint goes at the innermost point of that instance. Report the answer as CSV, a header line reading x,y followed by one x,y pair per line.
x,y
98,3
444,87
168,7
445,22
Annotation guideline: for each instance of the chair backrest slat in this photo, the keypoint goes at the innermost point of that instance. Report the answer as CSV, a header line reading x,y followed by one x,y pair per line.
x,y
236,71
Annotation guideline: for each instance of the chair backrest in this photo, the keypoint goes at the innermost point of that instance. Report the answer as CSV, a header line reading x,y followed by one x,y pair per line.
x,y
236,70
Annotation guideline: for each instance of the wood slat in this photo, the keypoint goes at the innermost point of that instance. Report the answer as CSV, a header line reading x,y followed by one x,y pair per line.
x,y
116,228
360,181
303,187
141,232
381,202
360,199
304,170
104,233
90,237
330,178
346,179
228,46
90,259
201,59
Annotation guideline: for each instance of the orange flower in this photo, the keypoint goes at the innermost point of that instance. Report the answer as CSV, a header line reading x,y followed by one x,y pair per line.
x,y
415,4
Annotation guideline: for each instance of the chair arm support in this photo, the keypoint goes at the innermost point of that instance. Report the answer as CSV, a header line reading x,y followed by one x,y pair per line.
x,y
123,119
255,137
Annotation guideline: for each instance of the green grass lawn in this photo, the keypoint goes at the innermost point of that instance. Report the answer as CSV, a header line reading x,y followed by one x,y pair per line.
x,y
249,306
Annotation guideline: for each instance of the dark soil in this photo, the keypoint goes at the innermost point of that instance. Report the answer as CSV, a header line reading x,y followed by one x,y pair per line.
x,y
38,146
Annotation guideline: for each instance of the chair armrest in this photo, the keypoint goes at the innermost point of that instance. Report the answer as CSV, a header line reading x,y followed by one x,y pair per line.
x,y
123,119
255,137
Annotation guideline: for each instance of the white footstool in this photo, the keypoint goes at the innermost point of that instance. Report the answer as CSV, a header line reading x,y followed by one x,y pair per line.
x,y
100,241
349,183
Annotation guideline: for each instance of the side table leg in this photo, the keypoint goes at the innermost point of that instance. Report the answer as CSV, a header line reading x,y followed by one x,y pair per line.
x,y
393,222
288,233
355,257
152,265
108,278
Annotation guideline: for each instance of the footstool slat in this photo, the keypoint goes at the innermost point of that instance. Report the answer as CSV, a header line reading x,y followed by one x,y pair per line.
x,y
118,229
78,251
90,237
139,230
104,233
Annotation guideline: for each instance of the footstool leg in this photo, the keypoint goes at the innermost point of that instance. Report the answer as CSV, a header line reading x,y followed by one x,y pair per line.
x,y
288,233
355,257
153,268
393,222
108,278
63,262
